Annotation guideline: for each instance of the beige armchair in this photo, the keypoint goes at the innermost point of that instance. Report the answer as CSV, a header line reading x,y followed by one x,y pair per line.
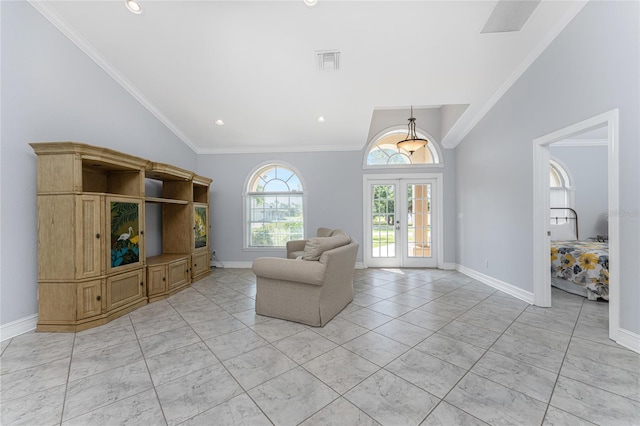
x,y
311,292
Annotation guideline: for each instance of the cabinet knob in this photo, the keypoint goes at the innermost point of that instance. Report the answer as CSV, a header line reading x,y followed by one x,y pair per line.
x,y
142,283
164,279
195,264
98,297
141,232
98,236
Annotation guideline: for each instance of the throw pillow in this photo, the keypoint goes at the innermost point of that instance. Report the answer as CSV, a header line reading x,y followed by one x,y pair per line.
x,y
314,248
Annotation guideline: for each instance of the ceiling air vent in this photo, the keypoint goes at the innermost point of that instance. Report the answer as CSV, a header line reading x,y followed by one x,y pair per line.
x,y
328,60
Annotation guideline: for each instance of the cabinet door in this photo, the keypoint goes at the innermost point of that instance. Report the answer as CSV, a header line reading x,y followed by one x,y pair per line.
x,y
89,299
199,263
126,288
201,226
89,236
178,273
125,219
156,279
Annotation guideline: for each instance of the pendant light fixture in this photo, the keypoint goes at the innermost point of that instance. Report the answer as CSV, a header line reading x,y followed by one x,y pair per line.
x,y
412,142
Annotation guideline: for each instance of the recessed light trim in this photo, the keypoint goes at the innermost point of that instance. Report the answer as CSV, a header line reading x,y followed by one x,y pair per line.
x,y
310,3
133,6
219,122
321,119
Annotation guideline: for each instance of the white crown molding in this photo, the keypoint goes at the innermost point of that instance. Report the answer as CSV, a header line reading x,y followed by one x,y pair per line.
x,y
88,49
510,289
462,128
580,143
279,149
17,327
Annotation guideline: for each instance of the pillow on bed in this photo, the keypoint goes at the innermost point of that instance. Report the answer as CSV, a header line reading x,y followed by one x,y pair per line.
x,y
563,232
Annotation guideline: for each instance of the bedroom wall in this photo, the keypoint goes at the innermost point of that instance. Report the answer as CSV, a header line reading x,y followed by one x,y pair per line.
x,y
51,91
587,165
590,68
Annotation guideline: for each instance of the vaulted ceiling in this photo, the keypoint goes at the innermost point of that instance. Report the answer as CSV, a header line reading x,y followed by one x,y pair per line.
x,y
253,64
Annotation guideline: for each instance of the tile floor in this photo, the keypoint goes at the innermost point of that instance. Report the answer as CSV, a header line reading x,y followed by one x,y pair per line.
x,y
415,347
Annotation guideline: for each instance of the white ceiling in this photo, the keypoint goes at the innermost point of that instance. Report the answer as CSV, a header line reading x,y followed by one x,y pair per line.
x,y
252,64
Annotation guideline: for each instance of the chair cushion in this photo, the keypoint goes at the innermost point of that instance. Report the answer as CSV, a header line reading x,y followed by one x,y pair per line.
x,y
314,248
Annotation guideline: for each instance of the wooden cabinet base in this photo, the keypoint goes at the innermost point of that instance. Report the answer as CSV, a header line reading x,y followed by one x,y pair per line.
x,y
200,265
169,293
167,274
90,322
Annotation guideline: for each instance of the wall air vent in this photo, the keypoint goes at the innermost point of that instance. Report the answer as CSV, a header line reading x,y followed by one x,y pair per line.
x,y
328,60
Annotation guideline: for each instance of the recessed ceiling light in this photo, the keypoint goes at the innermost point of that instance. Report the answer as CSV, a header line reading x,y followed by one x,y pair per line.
x,y
219,122
133,6
321,119
310,3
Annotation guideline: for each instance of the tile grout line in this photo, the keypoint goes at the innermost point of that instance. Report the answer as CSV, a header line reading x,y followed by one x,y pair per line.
x,y
245,391
153,384
553,390
474,364
414,347
66,385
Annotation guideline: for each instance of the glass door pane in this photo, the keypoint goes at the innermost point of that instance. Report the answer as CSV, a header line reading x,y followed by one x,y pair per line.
x,y
419,220
383,218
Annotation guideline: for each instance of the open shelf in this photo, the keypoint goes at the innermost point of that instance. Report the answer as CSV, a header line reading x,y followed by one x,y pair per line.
x,y
164,200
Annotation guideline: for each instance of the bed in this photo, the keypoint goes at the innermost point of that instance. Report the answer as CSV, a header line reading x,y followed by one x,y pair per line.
x,y
579,267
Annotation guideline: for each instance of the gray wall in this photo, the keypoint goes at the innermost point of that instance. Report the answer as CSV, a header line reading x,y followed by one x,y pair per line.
x,y
590,68
587,165
333,187
334,196
51,91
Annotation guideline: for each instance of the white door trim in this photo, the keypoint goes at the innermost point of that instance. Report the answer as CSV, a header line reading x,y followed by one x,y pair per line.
x,y
439,178
541,240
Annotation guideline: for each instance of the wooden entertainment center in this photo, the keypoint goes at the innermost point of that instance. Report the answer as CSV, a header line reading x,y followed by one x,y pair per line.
x,y
91,234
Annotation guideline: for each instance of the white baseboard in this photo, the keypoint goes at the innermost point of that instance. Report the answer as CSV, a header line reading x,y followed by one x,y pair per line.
x,y
233,265
247,265
17,327
629,340
510,289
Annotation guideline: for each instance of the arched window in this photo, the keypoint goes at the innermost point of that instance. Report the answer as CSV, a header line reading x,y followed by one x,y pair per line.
x,y
385,152
274,207
561,190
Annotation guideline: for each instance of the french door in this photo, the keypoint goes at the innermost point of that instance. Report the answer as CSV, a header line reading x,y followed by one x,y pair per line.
x,y
401,222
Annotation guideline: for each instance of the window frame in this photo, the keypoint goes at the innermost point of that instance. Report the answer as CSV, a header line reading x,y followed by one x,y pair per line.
x,y
247,197
433,147
562,172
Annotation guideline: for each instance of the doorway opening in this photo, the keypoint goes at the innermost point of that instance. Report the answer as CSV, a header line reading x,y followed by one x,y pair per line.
x,y
541,210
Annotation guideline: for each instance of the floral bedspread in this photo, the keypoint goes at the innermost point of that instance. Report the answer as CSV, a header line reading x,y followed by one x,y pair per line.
x,y
585,263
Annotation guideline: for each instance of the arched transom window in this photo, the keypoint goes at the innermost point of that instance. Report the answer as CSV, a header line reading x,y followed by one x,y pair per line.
x,y
275,207
561,190
385,152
